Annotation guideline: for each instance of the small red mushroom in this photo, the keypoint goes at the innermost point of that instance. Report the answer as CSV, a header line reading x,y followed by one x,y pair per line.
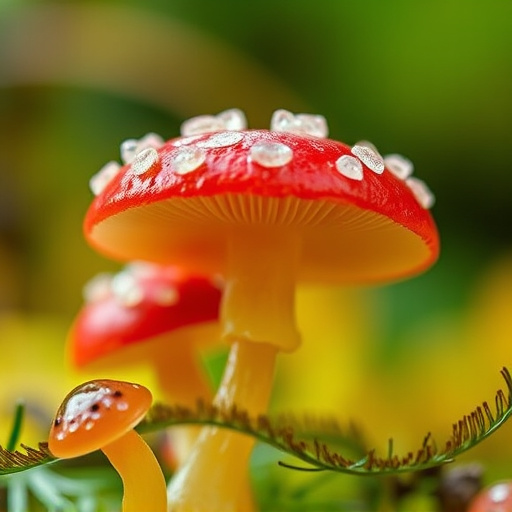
x,y
150,313
495,498
101,415
265,209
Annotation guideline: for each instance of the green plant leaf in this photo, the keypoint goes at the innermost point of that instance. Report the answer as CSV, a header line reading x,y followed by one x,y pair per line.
x,y
311,441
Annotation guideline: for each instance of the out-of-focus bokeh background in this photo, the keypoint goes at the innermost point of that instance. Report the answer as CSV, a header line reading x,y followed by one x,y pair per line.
x,y
429,80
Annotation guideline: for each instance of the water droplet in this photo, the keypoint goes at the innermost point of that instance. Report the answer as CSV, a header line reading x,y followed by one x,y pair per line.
x,y
187,159
368,144
499,493
128,150
369,157
131,147
127,290
201,124
302,124
151,140
350,167
233,119
166,296
400,166
103,177
221,140
144,160
271,154
97,288
185,141
421,191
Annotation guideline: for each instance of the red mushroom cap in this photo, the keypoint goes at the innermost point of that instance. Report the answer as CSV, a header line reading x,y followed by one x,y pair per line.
x,y
495,498
138,304
358,220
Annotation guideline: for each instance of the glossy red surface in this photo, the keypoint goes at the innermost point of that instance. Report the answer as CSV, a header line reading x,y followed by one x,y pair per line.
x,y
496,498
311,175
106,325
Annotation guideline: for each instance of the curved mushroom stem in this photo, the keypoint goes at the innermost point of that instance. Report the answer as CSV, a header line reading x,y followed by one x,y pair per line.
x,y
215,476
143,481
258,316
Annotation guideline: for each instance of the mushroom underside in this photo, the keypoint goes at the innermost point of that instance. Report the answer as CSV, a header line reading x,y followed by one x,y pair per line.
x,y
340,242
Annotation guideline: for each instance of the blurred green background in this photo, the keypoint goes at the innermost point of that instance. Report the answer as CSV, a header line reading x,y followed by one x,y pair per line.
x,y
429,80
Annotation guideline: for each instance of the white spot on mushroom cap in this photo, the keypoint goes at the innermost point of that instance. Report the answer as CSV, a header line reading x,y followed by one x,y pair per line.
x,y
369,156
221,140
400,166
97,288
84,407
302,124
350,167
122,406
166,296
421,191
144,160
232,119
271,154
187,159
131,147
103,177
80,407
499,493
126,289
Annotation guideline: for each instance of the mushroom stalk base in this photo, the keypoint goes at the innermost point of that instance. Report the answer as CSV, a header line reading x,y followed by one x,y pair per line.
x,y
215,477
143,482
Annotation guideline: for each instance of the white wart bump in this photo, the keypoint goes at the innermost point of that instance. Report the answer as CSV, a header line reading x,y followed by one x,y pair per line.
x,y
125,288
369,157
422,193
302,124
103,177
232,119
166,296
144,160
97,288
271,154
131,147
400,166
350,167
221,140
187,159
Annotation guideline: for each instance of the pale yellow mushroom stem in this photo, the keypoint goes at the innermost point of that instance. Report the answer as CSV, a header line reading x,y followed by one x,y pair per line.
x,y
258,317
183,382
143,482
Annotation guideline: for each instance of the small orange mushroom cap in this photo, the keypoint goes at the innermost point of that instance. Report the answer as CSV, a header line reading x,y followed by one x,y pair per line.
x,y
95,414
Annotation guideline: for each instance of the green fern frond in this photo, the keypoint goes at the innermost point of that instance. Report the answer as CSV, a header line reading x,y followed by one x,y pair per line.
x,y
16,460
309,441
